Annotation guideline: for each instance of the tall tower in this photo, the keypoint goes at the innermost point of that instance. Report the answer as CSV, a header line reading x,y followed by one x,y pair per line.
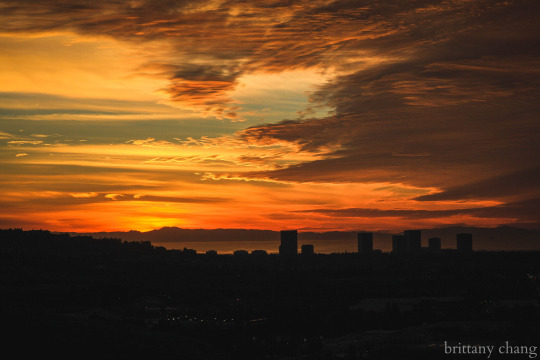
x,y
289,243
413,238
464,243
365,243
399,244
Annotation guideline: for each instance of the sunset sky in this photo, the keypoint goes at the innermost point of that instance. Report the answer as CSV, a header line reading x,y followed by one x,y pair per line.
x,y
312,115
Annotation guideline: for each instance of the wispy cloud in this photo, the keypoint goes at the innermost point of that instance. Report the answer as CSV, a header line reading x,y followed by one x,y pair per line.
x,y
5,135
84,195
25,142
114,196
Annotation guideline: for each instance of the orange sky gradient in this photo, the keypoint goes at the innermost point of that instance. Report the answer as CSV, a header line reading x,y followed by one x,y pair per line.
x,y
313,115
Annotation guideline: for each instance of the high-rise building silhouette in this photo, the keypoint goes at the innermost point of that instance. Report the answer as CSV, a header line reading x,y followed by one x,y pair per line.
x,y
464,243
434,245
307,250
399,244
289,243
365,243
413,238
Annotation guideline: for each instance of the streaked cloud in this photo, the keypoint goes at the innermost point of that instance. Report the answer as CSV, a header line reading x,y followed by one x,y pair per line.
x,y
5,135
84,195
25,142
114,196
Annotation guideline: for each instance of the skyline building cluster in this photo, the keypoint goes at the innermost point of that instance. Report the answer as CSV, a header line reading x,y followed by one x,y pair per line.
x,y
411,242
408,243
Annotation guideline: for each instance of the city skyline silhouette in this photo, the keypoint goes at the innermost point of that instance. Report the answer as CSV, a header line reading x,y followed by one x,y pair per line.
x,y
74,294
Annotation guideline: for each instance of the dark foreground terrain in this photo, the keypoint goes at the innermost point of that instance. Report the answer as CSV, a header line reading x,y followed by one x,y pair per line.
x,y
79,296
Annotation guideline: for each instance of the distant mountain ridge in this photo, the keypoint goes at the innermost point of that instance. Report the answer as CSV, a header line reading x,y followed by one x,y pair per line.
x,y
500,238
